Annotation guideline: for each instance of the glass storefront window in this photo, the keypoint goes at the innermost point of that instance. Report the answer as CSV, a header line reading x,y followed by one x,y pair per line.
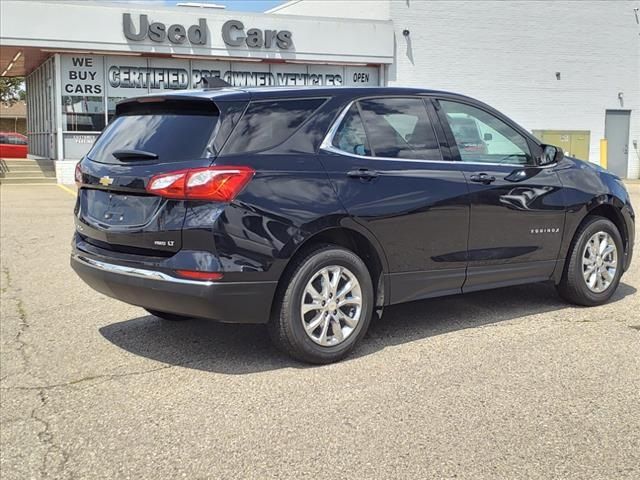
x,y
111,106
83,114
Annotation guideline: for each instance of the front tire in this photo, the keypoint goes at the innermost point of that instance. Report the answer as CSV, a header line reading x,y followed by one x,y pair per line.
x,y
593,270
324,306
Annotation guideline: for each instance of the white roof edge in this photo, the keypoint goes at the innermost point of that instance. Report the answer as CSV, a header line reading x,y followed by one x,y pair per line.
x,y
275,10
284,5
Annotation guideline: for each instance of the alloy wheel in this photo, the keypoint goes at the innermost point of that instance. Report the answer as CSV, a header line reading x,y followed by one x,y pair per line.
x,y
599,262
331,305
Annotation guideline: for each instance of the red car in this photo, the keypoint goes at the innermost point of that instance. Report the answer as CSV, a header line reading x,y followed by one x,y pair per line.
x,y
13,145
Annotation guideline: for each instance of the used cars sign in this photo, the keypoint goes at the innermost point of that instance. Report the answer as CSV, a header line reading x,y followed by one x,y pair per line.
x,y
158,32
233,33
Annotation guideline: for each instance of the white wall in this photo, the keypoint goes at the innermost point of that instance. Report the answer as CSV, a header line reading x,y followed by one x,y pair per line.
x,y
369,9
507,53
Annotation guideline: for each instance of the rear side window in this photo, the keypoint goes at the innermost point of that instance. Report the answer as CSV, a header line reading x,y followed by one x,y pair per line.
x,y
400,128
174,135
267,124
390,128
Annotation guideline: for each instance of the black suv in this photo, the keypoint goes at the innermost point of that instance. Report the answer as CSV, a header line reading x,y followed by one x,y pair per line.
x,y
311,209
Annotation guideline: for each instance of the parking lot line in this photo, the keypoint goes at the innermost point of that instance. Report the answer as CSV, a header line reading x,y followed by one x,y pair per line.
x,y
67,189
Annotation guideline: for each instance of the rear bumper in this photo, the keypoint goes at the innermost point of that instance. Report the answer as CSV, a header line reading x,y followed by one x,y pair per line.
x,y
231,302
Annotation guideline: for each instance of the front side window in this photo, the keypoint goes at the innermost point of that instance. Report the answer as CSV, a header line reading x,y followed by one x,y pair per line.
x,y
399,128
483,138
267,124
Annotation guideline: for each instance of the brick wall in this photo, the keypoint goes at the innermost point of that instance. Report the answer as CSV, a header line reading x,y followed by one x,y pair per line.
x,y
13,125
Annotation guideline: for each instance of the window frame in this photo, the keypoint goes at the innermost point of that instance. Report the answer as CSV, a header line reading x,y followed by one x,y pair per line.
x,y
328,146
535,148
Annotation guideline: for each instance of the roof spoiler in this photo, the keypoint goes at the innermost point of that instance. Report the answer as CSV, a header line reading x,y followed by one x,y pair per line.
x,y
214,82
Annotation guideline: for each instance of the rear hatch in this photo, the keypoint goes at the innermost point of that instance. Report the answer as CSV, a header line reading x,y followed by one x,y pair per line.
x,y
147,137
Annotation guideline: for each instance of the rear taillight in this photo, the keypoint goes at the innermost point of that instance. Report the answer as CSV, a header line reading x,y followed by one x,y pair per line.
x,y
78,175
219,184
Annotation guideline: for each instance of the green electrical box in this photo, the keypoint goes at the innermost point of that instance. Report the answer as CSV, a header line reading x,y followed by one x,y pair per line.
x,y
575,143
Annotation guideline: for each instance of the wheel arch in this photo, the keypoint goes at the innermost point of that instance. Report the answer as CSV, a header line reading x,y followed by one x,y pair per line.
x,y
613,213
606,206
351,236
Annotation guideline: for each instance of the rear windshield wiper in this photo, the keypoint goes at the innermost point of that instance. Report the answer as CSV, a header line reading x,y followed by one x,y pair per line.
x,y
125,155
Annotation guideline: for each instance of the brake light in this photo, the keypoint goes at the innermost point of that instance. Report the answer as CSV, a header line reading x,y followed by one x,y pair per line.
x,y
78,175
197,275
219,184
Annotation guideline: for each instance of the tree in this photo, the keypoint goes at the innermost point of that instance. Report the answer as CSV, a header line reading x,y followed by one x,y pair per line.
x,y
11,90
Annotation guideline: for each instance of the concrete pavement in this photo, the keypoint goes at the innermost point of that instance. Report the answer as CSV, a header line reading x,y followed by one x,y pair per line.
x,y
510,383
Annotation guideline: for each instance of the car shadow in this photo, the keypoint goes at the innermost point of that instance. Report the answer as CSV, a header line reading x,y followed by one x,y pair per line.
x,y
241,349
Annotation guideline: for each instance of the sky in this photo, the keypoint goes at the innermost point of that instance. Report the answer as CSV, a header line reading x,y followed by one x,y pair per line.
x,y
238,5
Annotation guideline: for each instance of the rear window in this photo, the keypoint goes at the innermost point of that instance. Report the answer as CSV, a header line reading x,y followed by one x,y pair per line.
x,y
174,135
267,124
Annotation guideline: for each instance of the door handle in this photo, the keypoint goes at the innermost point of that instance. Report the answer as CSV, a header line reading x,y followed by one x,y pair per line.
x,y
483,178
363,173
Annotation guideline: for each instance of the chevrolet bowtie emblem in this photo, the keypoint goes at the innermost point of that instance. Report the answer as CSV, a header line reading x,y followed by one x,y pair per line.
x,y
106,181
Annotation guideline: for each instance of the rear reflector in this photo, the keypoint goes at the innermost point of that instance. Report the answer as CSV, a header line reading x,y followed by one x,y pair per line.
x,y
197,275
218,184
78,175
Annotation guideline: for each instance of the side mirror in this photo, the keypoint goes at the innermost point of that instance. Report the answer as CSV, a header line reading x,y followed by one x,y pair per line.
x,y
551,154
487,137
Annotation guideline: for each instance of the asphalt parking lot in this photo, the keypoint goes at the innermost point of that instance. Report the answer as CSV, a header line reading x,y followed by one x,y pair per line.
x,y
510,383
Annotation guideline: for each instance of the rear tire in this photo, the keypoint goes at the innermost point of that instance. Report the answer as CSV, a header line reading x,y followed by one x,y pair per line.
x,y
174,317
324,305
593,269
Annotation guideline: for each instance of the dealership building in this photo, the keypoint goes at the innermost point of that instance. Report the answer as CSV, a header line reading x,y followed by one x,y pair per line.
x,y
568,71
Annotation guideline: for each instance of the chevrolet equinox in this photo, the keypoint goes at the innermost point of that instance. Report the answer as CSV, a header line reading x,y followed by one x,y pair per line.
x,y
310,209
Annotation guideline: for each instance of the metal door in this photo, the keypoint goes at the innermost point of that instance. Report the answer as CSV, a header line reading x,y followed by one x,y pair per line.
x,y
517,206
575,143
616,131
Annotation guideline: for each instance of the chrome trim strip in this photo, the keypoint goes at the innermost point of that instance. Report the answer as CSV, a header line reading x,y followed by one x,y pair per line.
x,y
336,150
137,272
327,146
